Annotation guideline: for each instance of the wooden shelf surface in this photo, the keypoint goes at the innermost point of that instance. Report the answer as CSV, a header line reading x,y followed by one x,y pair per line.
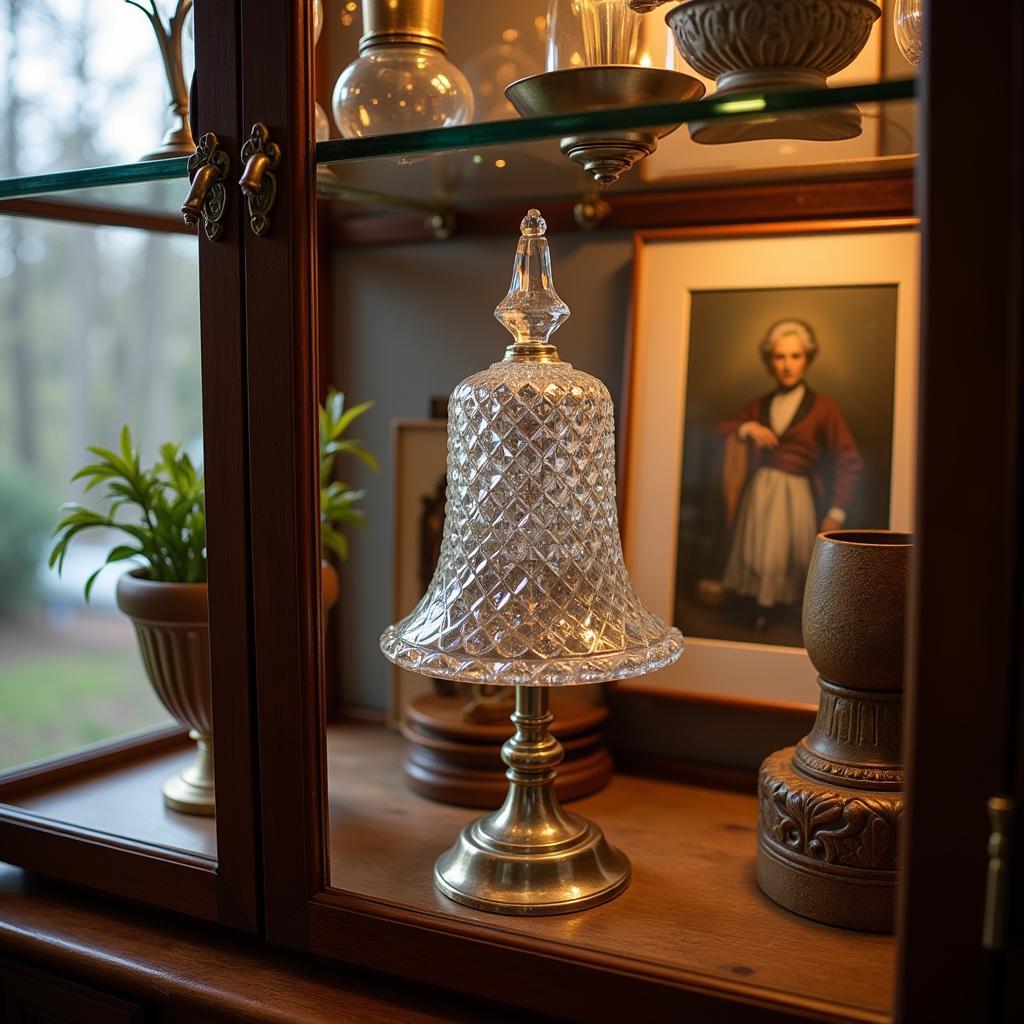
x,y
121,798
693,906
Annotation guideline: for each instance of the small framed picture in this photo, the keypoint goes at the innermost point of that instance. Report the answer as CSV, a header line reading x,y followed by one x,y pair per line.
x,y
420,463
771,395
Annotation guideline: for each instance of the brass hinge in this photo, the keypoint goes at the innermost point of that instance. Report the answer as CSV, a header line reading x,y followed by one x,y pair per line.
x,y
1000,814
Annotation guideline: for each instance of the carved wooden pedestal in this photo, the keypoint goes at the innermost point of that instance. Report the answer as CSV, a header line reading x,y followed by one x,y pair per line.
x,y
459,762
828,830
830,807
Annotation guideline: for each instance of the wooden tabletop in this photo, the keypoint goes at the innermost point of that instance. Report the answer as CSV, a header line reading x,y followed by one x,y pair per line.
x,y
180,963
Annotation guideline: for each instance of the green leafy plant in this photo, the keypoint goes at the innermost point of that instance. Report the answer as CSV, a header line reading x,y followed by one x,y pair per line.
x,y
337,500
169,531
168,527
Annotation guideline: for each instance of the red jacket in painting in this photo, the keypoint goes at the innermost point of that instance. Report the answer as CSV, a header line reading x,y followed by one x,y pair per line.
x,y
817,444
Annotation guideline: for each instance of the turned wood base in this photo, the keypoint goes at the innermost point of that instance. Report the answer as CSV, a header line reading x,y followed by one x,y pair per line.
x,y
458,762
827,852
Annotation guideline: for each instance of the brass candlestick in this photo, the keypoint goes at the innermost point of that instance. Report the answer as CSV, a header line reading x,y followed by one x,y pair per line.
x,y
531,856
178,141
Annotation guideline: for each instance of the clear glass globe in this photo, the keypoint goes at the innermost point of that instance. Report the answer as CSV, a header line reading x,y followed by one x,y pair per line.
x,y
400,88
907,26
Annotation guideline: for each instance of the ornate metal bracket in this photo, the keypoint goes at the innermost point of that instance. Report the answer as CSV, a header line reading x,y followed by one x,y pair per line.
x,y
208,166
258,182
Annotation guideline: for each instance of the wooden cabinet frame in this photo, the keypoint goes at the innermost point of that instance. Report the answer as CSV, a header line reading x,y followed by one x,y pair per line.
x,y
938,936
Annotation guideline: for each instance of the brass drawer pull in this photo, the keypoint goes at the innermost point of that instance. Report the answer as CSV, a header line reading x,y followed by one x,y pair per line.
x,y
258,182
207,199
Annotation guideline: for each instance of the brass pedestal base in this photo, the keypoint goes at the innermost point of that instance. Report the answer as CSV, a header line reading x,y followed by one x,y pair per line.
x,y
531,856
609,154
191,791
177,142
827,852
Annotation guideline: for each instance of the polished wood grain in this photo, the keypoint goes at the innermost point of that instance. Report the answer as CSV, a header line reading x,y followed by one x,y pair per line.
x,y
965,644
171,963
225,451
692,918
283,386
33,997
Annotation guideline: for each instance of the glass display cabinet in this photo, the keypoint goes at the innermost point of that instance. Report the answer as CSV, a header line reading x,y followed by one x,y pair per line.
x,y
372,264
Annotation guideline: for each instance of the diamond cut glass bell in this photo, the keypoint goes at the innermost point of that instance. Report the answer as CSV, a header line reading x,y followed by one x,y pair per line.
x,y
531,588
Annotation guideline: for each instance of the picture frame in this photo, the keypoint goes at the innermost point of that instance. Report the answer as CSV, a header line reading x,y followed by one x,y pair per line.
x,y
671,267
419,461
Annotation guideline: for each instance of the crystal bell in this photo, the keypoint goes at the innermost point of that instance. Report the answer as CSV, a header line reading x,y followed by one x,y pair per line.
x,y
531,590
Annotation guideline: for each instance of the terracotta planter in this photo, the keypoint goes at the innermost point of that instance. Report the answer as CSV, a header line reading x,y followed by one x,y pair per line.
x,y
830,807
171,624
771,45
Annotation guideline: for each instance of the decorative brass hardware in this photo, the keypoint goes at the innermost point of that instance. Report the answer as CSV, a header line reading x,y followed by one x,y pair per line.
x,y
208,166
258,182
1000,815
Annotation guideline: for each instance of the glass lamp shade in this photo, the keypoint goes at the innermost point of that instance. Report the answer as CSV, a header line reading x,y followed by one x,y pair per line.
x,y
598,58
593,33
907,24
531,588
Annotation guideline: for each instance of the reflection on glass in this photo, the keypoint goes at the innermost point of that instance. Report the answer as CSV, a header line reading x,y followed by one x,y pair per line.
x,y
82,84
907,23
99,330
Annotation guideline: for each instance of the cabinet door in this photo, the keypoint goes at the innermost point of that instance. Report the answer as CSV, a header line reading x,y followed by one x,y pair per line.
x,y
117,312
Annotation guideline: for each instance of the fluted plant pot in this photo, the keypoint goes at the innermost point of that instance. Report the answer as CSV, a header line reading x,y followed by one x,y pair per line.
x,y
830,808
751,46
171,623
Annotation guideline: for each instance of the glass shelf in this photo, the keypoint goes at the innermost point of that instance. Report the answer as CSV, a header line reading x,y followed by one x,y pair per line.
x,y
92,178
422,144
523,163
494,133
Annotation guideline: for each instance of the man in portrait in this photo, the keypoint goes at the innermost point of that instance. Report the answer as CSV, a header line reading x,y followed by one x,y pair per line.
x,y
791,468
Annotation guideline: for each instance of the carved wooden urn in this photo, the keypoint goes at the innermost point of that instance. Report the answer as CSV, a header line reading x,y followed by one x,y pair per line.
x,y
830,807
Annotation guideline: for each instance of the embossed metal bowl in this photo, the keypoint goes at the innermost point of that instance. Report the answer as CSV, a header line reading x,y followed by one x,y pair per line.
x,y
770,45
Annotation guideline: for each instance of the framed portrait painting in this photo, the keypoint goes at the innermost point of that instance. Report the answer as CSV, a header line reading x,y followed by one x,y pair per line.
x,y
770,395
419,450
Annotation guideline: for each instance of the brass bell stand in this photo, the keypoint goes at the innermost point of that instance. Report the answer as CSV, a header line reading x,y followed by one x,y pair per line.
x,y
531,856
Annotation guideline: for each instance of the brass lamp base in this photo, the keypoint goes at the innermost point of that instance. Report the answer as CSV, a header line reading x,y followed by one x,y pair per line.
x,y
609,154
191,791
531,856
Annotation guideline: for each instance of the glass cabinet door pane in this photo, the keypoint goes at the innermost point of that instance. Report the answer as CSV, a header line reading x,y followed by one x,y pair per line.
x,y
85,85
100,333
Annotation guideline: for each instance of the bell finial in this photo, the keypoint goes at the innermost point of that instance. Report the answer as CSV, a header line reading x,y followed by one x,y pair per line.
x,y
532,310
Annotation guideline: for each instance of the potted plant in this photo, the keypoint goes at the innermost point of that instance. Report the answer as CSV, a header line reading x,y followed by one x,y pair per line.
x,y
166,595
